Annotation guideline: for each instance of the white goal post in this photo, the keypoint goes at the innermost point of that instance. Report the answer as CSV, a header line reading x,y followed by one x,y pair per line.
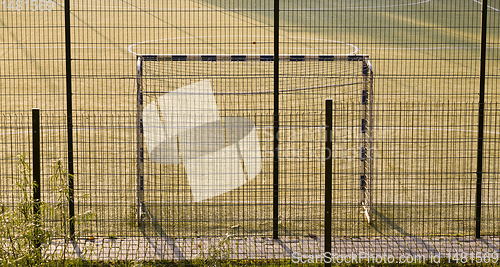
x,y
167,83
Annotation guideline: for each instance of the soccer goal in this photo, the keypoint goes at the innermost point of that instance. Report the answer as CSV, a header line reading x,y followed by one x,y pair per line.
x,y
206,122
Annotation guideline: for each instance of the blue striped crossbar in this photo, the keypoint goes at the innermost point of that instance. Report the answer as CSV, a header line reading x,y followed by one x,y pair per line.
x,y
206,58
362,184
363,154
364,97
242,58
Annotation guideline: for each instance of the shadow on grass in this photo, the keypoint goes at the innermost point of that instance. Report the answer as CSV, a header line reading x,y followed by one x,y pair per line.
x,y
166,244
384,224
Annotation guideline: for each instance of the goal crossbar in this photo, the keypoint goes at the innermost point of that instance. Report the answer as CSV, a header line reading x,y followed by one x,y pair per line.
x,y
225,57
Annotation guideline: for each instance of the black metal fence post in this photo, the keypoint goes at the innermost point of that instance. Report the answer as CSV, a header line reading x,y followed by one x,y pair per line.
x,y
35,114
69,110
328,180
480,135
276,124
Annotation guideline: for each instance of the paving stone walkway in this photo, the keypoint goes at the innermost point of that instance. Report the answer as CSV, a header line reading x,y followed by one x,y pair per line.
x,y
301,248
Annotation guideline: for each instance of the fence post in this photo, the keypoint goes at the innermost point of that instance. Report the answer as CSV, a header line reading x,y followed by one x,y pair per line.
x,y
328,180
480,141
35,115
69,110
276,124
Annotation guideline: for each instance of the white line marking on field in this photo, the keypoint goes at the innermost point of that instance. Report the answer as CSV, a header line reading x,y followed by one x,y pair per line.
x,y
425,48
130,47
261,128
385,128
488,6
435,129
226,9
74,129
365,7
410,4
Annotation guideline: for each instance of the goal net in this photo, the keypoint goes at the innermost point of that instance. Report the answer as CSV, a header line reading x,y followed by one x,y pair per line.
x,y
205,129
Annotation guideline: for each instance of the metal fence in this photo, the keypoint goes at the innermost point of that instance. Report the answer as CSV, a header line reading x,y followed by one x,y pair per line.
x,y
433,142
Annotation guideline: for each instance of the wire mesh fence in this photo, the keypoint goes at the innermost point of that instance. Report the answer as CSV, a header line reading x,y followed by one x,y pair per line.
x,y
111,80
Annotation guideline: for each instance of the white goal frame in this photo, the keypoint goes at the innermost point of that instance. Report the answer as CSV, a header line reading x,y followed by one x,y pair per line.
x,y
366,124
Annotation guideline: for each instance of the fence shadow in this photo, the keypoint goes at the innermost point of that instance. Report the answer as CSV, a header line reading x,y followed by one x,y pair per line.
x,y
384,223
151,225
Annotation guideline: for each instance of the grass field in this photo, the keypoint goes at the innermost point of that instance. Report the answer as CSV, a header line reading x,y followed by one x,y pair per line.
x,y
426,63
